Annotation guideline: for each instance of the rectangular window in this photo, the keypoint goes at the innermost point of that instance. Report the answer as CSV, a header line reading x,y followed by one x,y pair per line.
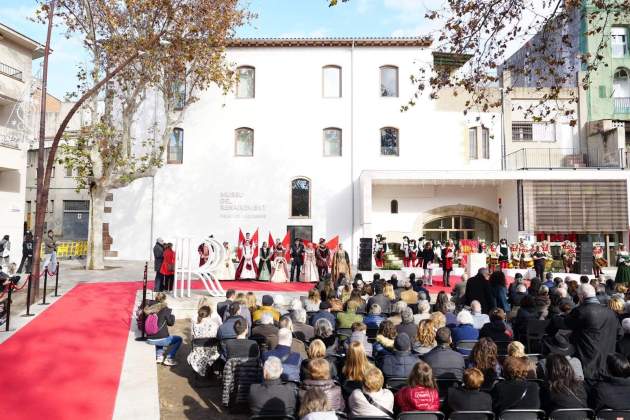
x,y
175,151
244,142
619,41
31,158
472,143
332,81
68,172
538,131
302,232
332,142
485,143
51,208
389,142
522,131
389,81
245,87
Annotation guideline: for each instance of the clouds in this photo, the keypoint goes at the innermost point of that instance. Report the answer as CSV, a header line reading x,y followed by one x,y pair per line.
x,y
409,16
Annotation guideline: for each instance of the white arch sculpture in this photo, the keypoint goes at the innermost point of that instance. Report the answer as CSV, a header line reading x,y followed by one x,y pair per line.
x,y
186,257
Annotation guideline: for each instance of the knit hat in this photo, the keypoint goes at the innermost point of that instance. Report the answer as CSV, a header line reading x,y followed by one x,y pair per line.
x,y
267,300
402,342
324,305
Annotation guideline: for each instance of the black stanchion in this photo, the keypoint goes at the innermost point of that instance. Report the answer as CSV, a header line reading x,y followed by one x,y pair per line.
x,y
7,306
143,337
57,280
45,281
28,297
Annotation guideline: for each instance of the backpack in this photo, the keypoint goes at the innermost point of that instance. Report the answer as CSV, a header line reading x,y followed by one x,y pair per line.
x,y
151,326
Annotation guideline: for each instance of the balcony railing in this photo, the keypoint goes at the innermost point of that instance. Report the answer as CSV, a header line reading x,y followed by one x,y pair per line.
x,y
563,159
622,105
10,71
10,137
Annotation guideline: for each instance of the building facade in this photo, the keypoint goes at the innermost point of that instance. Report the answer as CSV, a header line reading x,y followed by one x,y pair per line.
x,y
17,88
313,141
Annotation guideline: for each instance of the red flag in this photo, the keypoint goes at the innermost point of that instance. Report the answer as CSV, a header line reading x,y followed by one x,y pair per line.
x,y
255,244
333,244
270,242
241,239
286,243
306,243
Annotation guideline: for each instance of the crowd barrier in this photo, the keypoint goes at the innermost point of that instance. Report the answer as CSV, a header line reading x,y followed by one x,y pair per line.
x,y
70,249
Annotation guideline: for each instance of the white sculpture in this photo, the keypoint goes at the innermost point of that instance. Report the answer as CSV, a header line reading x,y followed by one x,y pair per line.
x,y
187,266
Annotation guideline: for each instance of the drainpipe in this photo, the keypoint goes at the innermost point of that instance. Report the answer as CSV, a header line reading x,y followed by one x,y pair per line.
x,y
503,148
352,148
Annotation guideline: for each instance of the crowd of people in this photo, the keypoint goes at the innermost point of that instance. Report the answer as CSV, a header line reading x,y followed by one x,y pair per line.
x,y
383,348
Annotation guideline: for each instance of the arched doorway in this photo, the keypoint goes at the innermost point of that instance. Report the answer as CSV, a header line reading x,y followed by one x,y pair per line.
x,y
458,221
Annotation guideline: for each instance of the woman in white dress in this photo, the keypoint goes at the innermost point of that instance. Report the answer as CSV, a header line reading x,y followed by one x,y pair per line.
x,y
205,326
227,272
309,269
280,267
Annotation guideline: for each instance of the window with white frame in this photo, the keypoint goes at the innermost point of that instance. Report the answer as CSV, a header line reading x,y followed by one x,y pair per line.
x,y
485,143
621,83
301,197
389,81
332,142
246,83
244,142
175,151
533,131
331,77
389,141
472,143
619,41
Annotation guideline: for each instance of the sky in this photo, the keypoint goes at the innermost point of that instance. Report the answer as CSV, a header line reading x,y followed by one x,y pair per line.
x,y
276,18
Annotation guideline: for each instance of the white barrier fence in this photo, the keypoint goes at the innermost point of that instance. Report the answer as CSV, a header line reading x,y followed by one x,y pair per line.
x,y
187,266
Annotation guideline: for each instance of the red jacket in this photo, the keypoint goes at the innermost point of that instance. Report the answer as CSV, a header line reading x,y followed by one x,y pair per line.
x,y
417,399
169,259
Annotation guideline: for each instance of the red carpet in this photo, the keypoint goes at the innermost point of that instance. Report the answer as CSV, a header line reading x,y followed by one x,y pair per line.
x,y
66,363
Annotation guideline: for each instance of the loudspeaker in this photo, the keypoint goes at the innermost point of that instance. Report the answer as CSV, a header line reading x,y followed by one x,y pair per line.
x,y
365,264
585,257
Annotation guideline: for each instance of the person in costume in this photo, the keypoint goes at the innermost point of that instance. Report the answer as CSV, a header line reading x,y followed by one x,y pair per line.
x,y
419,248
545,246
568,256
227,271
448,256
623,266
428,255
539,258
309,270
322,259
516,258
247,269
380,248
504,254
413,253
297,259
204,253
599,261
280,273
524,255
341,264
264,263
406,251
493,255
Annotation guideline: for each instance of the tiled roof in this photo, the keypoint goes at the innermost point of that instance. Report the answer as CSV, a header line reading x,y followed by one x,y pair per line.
x,y
329,42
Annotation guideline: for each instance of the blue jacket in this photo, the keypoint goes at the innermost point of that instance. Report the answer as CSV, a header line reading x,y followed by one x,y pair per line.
x,y
326,315
464,332
399,364
499,295
291,362
373,321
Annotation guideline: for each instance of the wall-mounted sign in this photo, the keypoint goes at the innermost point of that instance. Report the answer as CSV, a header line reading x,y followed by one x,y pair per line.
x,y
236,205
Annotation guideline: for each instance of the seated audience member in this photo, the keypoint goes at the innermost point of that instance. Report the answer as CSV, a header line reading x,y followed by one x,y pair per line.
x,y
241,299
380,299
515,392
252,305
444,305
301,329
485,358
272,397
425,337
613,391
400,363
205,326
439,320
371,399
354,368
324,313
469,397
290,360
384,339
424,311
162,339
421,393
350,316
617,305
359,334
496,329
444,362
562,389
525,313
355,296
623,345
319,378
325,332
297,345
465,330
223,306
267,330
226,330
241,346
314,406
520,291
517,349
312,301
418,287
373,319
459,291
479,319
407,325
556,321
317,350
558,344
409,296
397,308
267,307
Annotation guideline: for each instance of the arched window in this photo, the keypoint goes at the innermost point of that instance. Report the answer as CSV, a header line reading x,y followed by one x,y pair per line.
x,y
393,207
244,142
331,76
332,142
300,197
246,83
389,141
175,151
621,90
389,81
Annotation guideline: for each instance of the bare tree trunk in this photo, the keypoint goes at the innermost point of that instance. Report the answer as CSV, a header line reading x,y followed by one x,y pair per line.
x,y
95,235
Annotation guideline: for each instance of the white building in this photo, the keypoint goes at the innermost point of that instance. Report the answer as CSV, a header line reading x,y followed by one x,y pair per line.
x,y
313,140
16,88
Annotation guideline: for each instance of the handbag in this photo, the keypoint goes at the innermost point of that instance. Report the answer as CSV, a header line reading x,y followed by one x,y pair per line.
x,y
377,405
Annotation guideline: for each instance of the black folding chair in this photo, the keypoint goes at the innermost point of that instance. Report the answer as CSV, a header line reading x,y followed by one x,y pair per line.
x,y
522,415
394,384
534,332
344,333
341,415
421,415
413,307
371,333
502,346
609,414
444,384
465,346
572,414
471,415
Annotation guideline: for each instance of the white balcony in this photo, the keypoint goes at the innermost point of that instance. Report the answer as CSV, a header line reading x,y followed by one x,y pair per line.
x,y
622,105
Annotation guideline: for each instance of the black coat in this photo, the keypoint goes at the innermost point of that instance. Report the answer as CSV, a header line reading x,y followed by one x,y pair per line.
x,y
496,330
427,255
158,256
611,393
478,288
297,254
462,399
595,330
382,301
446,363
559,400
623,345
223,306
511,395
272,397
